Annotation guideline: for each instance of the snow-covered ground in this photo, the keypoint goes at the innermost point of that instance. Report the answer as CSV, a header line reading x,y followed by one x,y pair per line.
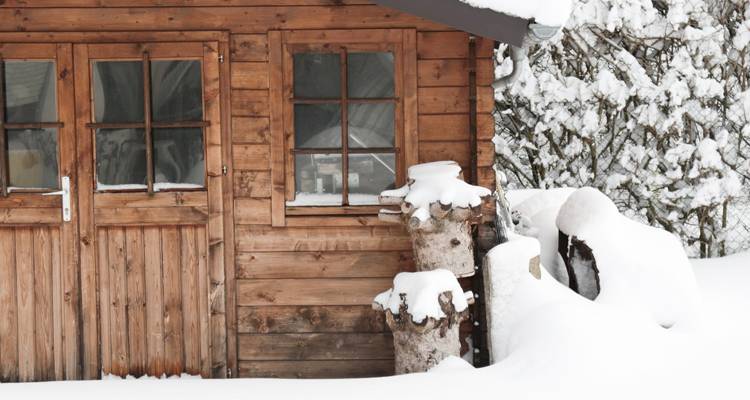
x,y
555,344
566,350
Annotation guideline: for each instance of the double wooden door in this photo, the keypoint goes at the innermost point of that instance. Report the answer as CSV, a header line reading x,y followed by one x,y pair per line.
x,y
130,278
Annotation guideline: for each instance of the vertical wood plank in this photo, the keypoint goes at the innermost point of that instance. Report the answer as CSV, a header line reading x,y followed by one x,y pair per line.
x,y
278,155
44,363
25,292
212,100
105,300
155,302
201,244
119,298
190,317
8,308
202,238
136,301
87,243
411,103
57,311
171,253
69,246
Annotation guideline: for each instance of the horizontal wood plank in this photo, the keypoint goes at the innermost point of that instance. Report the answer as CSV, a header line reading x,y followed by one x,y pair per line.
x,y
249,47
252,103
310,292
30,216
316,346
444,127
443,100
251,130
255,184
453,72
317,369
252,157
249,75
258,238
252,211
144,200
151,216
439,151
31,200
279,265
310,319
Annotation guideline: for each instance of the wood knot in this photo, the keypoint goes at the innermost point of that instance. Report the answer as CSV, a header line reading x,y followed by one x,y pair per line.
x,y
455,242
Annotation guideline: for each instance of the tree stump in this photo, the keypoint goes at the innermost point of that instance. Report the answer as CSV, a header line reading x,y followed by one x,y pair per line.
x,y
438,210
421,346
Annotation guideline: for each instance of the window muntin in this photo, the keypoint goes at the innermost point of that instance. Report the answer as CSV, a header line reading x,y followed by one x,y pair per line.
x,y
344,105
149,132
28,98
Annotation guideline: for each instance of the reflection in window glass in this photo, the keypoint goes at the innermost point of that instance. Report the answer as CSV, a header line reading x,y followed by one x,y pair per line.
x,y
371,75
317,75
371,125
120,158
32,158
176,90
370,174
318,179
30,91
118,91
317,126
178,156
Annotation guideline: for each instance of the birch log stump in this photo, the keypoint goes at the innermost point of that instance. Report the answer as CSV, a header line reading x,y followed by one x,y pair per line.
x,y
420,346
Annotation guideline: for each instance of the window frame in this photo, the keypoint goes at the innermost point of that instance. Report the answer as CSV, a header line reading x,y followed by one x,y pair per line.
x,y
283,46
149,125
40,53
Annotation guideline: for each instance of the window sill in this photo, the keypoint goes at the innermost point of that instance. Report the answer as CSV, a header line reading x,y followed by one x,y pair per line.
x,y
332,210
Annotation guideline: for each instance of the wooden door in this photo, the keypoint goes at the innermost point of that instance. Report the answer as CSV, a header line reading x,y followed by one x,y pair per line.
x,y
39,317
150,197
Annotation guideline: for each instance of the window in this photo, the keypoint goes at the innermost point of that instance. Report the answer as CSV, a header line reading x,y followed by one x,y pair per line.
x,y
345,109
28,126
148,124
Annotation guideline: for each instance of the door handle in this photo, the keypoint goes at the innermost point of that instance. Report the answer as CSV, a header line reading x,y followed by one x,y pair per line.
x,y
65,193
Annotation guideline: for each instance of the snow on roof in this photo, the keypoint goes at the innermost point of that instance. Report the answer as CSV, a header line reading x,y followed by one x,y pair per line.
x,y
421,291
545,12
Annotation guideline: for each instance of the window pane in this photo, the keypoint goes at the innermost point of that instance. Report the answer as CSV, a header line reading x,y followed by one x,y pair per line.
x,y
32,158
371,75
317,126
176,93
178,157
370,174
120,159
318,179
30,91
317,75
118,91
371,125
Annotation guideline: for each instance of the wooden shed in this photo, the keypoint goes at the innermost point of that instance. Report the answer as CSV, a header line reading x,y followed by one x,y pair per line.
x,y
189,186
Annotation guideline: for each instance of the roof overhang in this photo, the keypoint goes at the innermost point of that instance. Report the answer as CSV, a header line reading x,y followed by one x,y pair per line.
x,y
459,15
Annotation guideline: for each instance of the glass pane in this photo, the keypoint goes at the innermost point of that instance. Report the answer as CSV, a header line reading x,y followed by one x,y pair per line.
x,y
118,91
120,159
370,174
32,158
318,180
30,91
317,75
371,125
178,158
317,126
176,93
371,75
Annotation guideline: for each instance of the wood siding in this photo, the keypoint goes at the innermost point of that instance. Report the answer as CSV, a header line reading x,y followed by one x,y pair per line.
x,y
298,295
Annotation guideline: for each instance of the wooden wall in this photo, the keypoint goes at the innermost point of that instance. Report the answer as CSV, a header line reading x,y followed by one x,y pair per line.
x,y
302,294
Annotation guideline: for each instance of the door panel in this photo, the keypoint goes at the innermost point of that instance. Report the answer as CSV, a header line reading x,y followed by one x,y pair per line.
x,y
39,312
158,235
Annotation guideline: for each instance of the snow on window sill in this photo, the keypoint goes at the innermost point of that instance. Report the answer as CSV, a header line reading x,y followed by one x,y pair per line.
x,y
331,200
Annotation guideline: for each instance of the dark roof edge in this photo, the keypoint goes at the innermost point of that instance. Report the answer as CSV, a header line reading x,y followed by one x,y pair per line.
x,y
459,15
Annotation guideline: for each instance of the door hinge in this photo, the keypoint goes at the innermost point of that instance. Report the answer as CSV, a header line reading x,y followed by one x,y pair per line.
x,y
221,58
224,170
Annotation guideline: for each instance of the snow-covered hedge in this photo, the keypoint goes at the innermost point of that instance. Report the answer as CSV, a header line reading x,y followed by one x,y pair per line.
x,y
647,100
